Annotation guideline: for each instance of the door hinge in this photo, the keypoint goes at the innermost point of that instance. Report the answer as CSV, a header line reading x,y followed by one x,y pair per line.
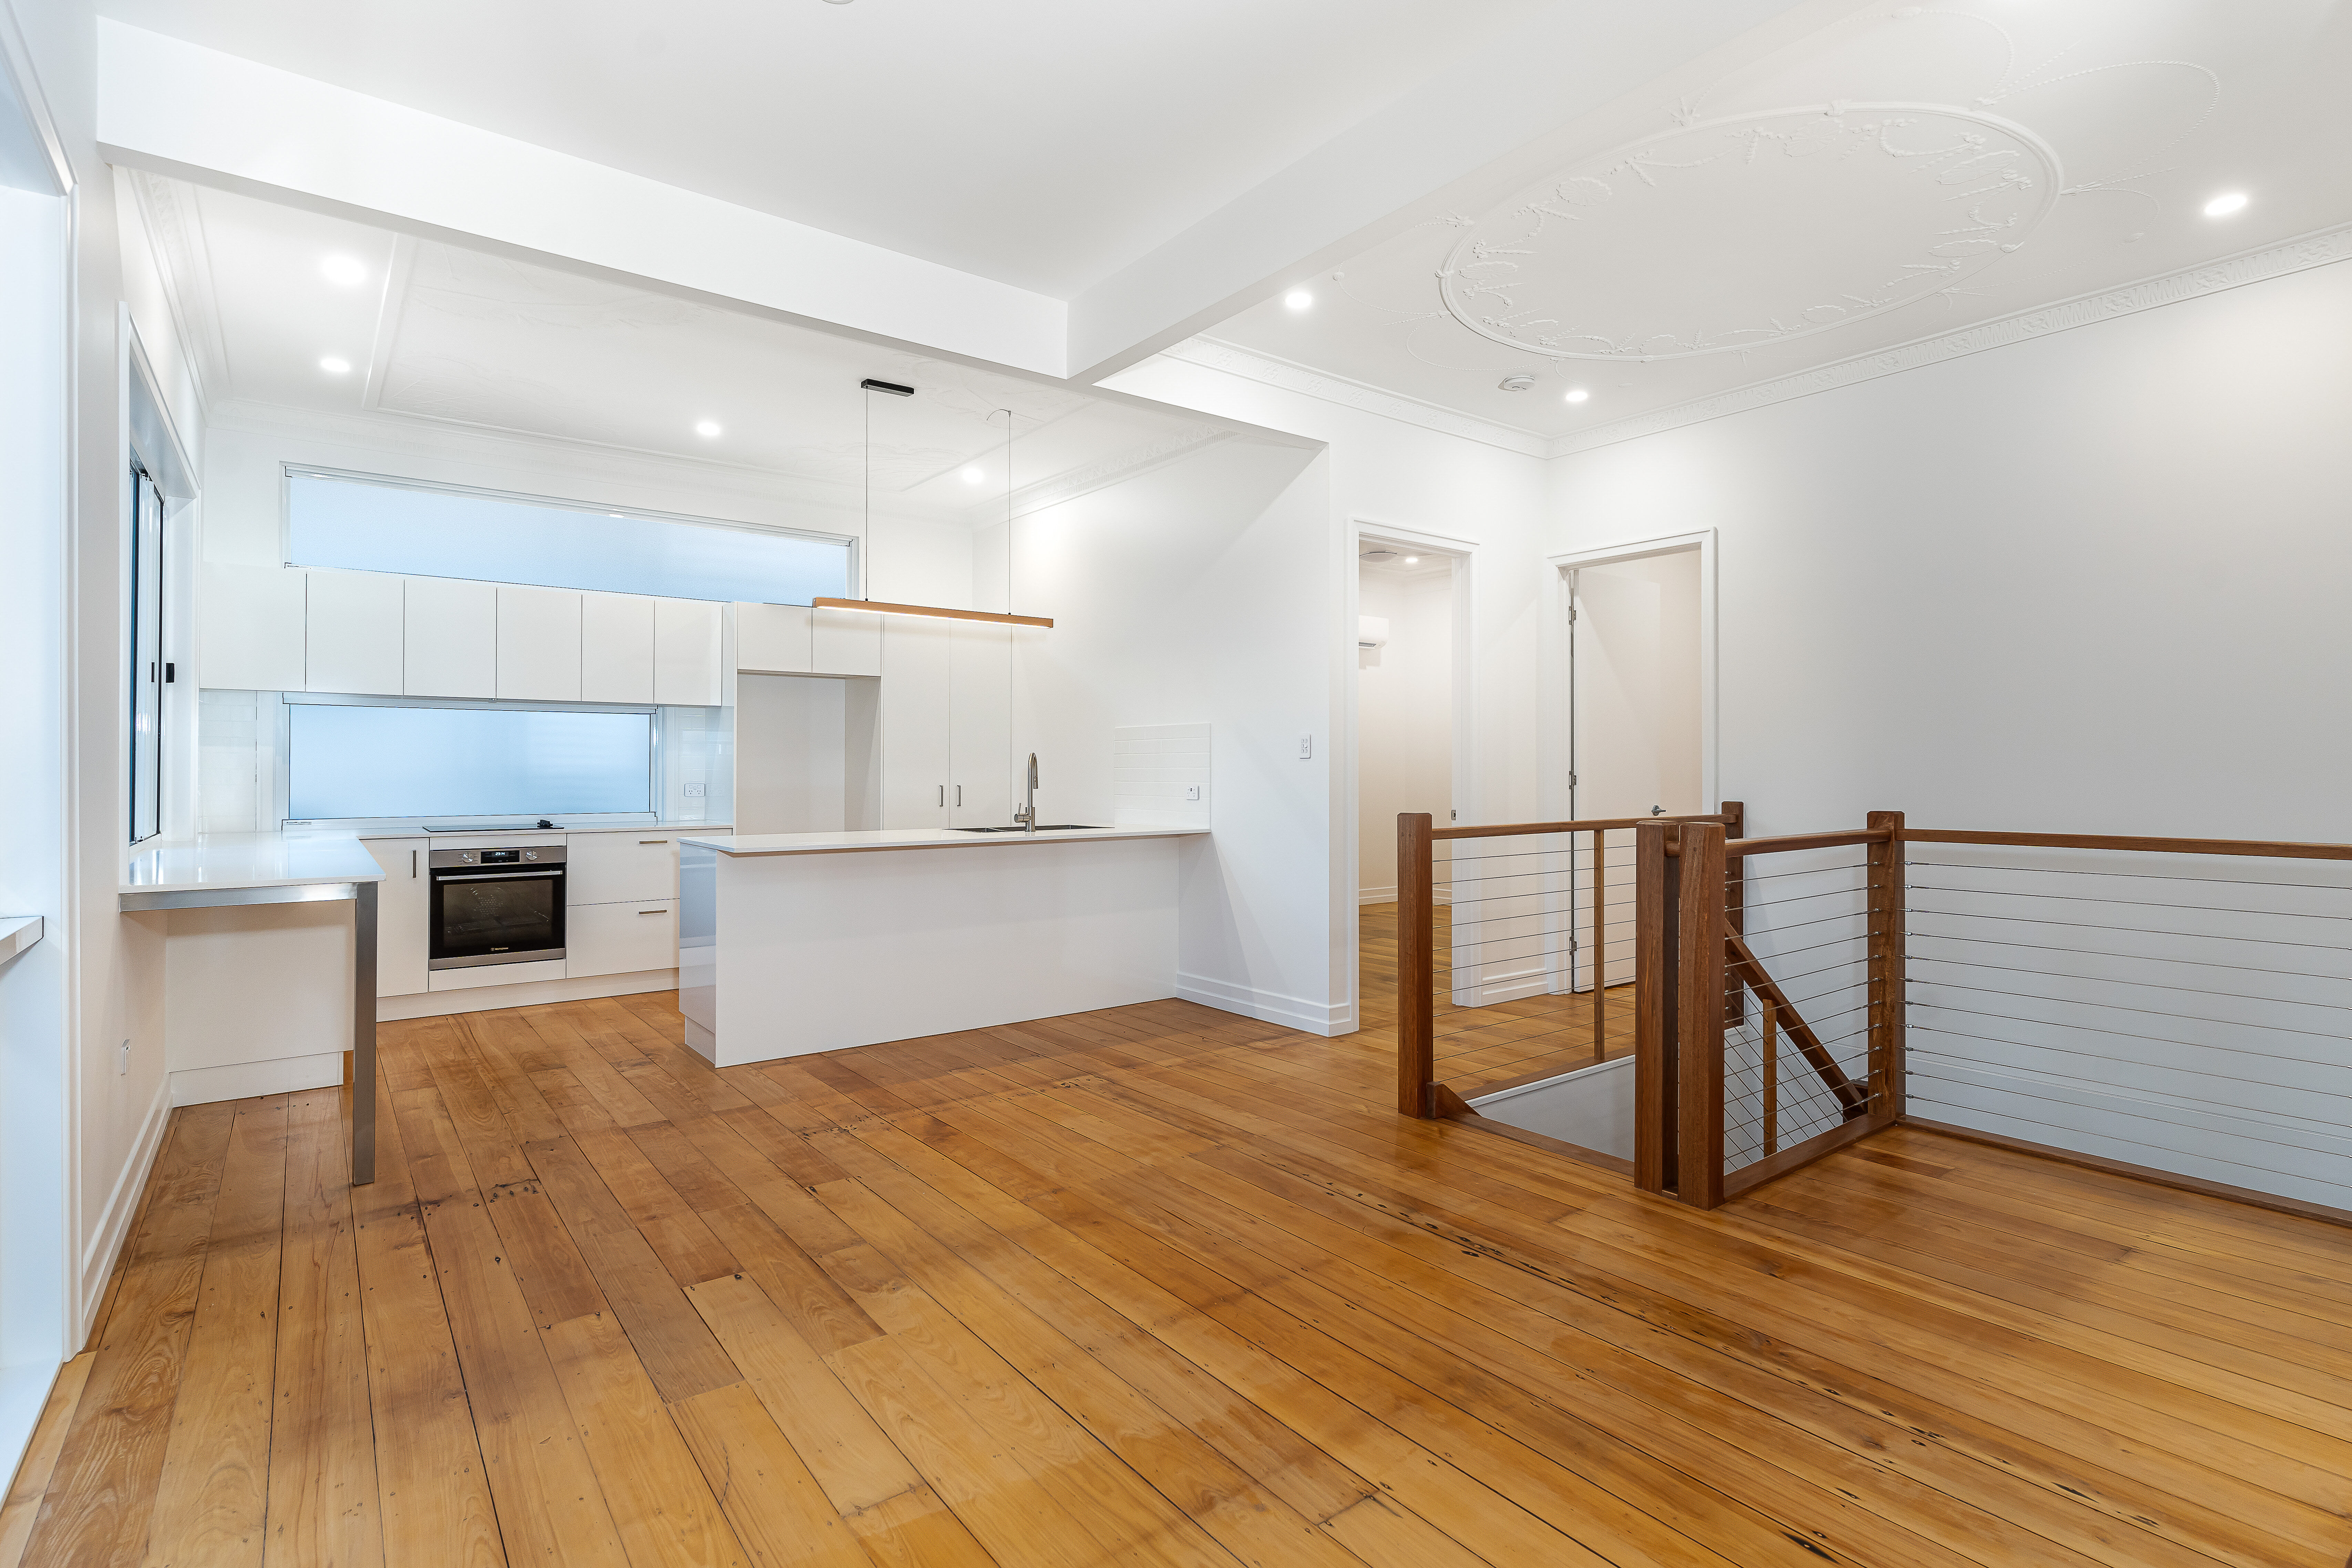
x,y
1571,614
1571,781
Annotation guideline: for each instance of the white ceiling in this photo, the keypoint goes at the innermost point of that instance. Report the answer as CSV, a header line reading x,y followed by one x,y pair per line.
x,y
1044,145
1900,174
453,336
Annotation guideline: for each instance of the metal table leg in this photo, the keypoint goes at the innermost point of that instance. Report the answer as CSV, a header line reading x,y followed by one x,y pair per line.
x,y
364,1036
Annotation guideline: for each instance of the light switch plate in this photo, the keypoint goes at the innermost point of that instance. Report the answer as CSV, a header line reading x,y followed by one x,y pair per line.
x,y
1305,747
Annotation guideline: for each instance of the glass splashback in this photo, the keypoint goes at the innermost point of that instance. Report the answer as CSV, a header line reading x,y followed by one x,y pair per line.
x,y
388,762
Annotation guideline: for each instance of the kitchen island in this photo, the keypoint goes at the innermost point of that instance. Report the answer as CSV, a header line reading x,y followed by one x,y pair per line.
x,y
795,942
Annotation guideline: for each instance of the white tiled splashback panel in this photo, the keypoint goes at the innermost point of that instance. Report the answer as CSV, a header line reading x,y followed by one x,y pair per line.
x,y
1155,772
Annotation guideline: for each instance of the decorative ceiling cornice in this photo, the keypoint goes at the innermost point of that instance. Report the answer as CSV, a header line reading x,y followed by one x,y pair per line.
x,y
2315,249
175,234
1211,353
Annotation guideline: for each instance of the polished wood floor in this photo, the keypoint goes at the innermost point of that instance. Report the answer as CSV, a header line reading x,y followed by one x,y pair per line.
x,y
1155,1286
1477,1050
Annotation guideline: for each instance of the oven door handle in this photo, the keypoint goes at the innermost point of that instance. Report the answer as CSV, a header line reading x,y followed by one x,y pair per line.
x,y
493,876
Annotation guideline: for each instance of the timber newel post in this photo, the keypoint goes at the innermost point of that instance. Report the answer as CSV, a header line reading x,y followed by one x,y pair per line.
x,y
1699,1017
1416,1001
1888,995
1654,887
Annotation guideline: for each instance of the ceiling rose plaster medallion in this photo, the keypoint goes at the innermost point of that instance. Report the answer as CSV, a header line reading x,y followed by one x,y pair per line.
x,y
1738,233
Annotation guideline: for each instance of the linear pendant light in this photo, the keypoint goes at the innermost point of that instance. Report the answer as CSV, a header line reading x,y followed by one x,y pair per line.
x,y
879,608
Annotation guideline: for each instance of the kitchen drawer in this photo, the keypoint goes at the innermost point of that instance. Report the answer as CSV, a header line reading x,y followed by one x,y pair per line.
x,y
609,867
620,938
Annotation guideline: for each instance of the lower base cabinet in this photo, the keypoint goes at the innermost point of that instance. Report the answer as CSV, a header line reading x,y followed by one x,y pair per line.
x,y
620,938
404,902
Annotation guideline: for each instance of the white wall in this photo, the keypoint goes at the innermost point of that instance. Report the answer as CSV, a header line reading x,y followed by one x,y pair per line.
x,y
2089,583
35,1004
1386,472
1404,719
1197,592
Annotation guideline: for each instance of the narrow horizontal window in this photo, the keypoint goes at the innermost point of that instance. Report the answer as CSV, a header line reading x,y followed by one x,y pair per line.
x,y
380,761
416,531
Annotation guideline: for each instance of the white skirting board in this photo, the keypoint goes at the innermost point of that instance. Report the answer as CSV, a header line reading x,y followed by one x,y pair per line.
x,y
1268,1006
243,1080
121,1205
1592,1106
529,993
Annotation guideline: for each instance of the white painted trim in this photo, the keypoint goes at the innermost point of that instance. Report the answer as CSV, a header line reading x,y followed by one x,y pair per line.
x,y
113,1230
16,59
527,993
1490,992
1269,1006
243,1080
2318,248
1212,353
1559,705
1419,538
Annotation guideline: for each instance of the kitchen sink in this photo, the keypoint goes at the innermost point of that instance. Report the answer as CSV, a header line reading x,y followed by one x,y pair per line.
x,y
1042,828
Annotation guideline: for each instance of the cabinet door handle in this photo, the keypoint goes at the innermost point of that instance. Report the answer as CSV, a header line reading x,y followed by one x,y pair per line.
x,y
653,911
959,794
412,863
943,794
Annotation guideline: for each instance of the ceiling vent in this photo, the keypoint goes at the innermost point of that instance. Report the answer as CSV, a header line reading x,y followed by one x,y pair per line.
x,y
1378,552
1518,383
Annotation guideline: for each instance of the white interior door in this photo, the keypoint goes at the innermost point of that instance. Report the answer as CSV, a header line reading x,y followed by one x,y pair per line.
x,y
1634,666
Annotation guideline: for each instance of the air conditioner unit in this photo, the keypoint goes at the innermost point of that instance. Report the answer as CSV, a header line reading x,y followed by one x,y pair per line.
x,y
1371,631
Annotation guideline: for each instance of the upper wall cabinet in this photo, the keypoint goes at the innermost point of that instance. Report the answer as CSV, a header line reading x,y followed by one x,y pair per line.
x,y
686,652
539,644
616,647
275,629
251,618
845,642
354,633
452,640
772,639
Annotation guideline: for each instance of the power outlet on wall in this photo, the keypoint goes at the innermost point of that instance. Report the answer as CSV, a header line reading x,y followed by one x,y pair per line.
x,y
1305,747
1192,792
694,792
122,1058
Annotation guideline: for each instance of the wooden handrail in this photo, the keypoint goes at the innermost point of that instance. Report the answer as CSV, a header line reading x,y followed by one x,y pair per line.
x,y
1850,1096
1515,829
1788,841
2269,849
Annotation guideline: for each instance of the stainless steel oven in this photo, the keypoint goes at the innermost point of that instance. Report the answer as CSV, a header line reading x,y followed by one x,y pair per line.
x,y
496,906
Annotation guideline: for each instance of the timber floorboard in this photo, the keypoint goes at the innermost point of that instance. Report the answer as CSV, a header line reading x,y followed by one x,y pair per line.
x,y
1156,1286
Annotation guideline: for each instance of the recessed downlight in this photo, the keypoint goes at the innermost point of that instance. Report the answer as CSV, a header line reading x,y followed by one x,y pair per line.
x,y
1413,560
334,364
974,475
1576,394
344,269
1298,298
2225,203
707,428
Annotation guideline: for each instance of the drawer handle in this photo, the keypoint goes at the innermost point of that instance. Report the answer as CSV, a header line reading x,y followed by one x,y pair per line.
x,y
643,842
653,911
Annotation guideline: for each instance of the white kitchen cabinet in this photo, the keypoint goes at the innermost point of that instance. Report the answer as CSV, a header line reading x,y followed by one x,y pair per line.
x,y
452,638
539,644
252,620
773,638
686,652
354,628
403,915
846,642
917,776
620,938
616,647
613,867
980,725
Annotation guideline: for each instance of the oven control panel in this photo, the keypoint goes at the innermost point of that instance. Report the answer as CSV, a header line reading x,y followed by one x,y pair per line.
x,y
542,855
